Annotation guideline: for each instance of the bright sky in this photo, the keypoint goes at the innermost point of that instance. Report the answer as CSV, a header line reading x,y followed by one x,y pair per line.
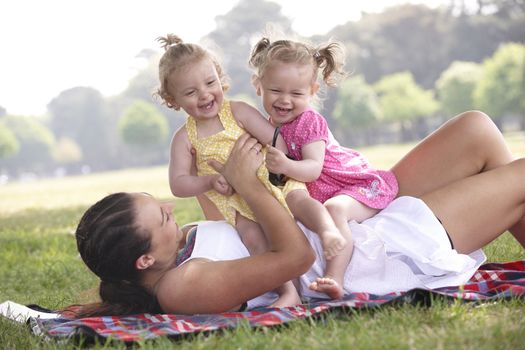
x,y
53,45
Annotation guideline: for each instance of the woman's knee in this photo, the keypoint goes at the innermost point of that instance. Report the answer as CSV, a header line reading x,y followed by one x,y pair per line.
x,y
484,139
477,122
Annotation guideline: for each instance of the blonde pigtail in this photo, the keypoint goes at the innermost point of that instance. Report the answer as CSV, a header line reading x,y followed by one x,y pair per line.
x,y
256,56
330,58
169,40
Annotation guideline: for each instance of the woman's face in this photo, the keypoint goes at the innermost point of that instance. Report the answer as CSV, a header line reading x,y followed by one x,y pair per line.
x,y
157,218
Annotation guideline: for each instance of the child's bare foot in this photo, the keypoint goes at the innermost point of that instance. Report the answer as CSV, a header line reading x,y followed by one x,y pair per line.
x,y
327,286
290,298
333,243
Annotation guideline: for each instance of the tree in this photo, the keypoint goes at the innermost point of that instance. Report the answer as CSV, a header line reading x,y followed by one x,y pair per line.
x,y
36,145
144,83
501,8
9,145
356,110
402,38
235,33
403,101
142,125
81,114
502,87
455,87
143,86
67,151
425,41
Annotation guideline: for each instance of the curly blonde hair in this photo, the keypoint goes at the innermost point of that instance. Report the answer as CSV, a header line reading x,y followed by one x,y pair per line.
x,y
327,58
176,55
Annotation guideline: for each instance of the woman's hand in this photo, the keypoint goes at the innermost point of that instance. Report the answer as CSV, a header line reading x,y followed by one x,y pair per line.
x,y
241,167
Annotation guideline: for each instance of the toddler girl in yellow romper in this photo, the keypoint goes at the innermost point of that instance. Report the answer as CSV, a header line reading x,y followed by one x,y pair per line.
x,y
192,79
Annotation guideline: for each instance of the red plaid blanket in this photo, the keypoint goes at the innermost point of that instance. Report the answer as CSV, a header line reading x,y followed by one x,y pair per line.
x,y
491,281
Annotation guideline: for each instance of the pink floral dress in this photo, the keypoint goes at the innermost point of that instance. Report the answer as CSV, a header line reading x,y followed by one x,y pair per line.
x,y
345,171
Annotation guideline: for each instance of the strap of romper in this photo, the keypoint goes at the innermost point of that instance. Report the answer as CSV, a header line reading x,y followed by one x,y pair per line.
x,y
276,179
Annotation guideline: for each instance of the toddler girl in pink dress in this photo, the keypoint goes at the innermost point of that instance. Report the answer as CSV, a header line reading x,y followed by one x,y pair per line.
x,y
340,178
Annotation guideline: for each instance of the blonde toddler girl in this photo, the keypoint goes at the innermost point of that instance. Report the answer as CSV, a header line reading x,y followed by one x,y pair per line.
x,y
286,78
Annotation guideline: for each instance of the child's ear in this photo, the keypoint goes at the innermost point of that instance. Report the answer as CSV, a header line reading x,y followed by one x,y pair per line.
x,y
144,261
171,102
256,82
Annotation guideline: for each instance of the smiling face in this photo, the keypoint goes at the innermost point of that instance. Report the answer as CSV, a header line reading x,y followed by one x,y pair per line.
x,y
197,89
286,90
157,218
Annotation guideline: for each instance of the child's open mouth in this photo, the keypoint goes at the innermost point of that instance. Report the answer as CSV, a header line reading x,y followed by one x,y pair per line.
x,y
208,106
282,111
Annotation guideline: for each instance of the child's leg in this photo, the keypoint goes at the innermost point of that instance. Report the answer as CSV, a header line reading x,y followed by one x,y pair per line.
x,y
342,208
315,216
288,295
255,241
251,235
353,209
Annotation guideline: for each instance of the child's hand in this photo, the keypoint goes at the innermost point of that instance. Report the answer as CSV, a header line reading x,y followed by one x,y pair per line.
x,y
276,160
222,186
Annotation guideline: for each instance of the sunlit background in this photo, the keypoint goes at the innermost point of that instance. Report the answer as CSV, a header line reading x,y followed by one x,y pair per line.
x,y
71,72
50,46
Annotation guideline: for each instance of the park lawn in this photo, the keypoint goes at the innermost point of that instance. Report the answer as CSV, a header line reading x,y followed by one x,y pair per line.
x,y
39,264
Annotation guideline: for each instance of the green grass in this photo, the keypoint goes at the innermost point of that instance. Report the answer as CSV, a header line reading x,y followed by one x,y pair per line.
x,y
39,264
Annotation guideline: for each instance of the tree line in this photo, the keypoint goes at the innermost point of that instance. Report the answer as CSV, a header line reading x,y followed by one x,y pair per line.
x,y
411,67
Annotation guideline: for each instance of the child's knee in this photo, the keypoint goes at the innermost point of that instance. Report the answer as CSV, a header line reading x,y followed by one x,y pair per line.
x,y
294,198
251,235
337,208
349,208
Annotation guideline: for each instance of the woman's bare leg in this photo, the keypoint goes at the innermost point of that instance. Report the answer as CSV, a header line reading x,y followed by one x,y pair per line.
x,y
466,145
477,209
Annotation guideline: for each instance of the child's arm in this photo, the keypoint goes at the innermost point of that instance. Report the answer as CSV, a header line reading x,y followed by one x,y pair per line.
x,y
182,182
306,170
251,120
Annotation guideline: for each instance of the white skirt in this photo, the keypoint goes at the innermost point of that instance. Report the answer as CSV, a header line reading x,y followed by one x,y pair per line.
x,y
403,247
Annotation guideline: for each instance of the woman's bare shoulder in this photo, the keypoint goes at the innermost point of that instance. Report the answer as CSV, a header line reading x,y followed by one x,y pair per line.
x,y
174,291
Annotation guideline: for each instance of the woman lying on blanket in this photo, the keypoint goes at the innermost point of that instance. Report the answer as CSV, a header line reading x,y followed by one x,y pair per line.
x,y
462,174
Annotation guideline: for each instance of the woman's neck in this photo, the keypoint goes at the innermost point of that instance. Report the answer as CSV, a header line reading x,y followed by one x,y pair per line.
x,y
154,274
152,278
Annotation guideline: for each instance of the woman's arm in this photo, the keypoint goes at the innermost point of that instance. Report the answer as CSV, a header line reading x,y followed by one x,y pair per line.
x,y
182,182
202,286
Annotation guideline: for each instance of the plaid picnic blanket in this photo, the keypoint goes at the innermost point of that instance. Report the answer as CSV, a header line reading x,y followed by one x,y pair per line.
x,y
492,281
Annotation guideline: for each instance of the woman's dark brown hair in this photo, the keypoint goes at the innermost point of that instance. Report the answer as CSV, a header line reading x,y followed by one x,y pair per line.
x,y
109,242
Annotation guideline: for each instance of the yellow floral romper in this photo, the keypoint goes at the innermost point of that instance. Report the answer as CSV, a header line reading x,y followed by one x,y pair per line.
x,y
218,147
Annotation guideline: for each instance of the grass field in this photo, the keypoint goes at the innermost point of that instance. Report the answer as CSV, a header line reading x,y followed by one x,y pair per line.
x,y
39,264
